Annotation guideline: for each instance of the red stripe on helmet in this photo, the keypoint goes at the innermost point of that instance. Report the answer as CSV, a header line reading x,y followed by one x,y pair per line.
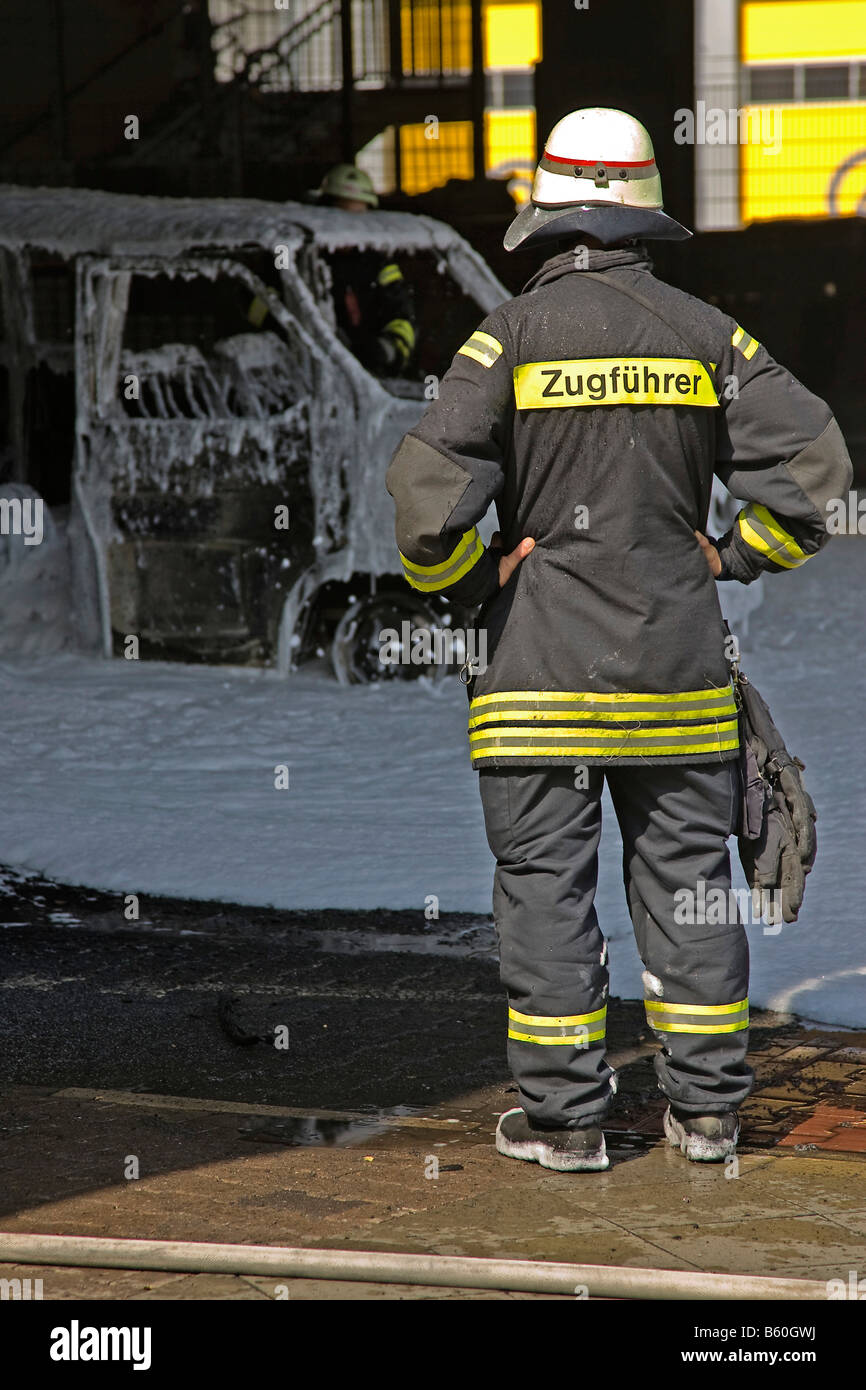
x,y
608,163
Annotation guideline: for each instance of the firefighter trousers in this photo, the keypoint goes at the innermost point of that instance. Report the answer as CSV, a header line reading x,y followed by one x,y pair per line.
x,y
544,825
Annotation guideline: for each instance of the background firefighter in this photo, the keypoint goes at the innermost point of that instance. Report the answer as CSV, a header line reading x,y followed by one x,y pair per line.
x,y
373,302
594,409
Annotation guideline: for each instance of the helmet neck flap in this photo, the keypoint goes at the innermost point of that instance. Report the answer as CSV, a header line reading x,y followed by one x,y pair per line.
x,y
609,223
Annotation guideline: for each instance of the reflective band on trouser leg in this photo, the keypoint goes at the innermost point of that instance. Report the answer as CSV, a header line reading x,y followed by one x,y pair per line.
x,y
575,1030
697,1018
430,578
760,529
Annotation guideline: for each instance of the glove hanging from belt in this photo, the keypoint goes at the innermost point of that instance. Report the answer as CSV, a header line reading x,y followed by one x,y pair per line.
x,y
777,839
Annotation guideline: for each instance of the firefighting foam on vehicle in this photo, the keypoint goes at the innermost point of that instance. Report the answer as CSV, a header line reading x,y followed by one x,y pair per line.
x,y
224,488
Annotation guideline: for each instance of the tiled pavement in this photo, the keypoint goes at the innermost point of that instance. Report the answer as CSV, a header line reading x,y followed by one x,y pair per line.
x,y
809,1094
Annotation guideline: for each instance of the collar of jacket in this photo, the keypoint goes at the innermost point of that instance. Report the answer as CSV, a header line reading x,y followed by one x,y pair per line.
x,y
597,259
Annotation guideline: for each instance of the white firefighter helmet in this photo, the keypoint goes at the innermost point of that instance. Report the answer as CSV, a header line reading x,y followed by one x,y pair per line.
x,y
598,176
348,181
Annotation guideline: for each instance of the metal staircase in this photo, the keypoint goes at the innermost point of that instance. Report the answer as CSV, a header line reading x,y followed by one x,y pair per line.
x,y
270,96
341,72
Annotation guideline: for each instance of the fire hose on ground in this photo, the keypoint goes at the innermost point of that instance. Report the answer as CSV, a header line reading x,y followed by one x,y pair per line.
x,y
385,1267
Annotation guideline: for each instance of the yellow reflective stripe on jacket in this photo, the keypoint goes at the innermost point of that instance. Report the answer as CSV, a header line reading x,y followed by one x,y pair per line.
x,y
483,348
258,311
667,733
760,529
606,743
402,330
549,1030
519,716
747,345
544,705
697,1018
548,723
429,578
389,274
615,699
593,381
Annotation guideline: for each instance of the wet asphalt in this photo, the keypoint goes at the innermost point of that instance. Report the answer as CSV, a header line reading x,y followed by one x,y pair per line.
x,y
330,1010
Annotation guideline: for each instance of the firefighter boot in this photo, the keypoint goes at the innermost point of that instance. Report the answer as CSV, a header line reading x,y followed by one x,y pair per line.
x,y
702,1138
565,1150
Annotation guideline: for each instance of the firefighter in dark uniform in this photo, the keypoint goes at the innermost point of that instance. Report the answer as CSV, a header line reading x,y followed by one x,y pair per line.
x,y
594,409
373,302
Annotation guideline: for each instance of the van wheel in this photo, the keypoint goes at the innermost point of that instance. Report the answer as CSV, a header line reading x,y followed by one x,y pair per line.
x,y
363,651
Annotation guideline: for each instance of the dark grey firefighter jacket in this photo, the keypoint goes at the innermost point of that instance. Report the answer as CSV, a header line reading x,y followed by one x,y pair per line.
x,y
596,426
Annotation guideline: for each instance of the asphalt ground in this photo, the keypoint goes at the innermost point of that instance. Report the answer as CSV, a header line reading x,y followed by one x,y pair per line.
x,y
381,1008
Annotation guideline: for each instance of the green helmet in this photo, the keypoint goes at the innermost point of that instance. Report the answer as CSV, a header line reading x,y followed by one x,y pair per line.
x,y
347,181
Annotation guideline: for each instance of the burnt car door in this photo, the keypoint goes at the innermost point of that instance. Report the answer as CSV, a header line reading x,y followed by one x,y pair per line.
x,y
198,418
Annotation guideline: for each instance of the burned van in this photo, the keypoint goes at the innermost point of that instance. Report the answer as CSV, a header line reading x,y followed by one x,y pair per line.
x,y
176,381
